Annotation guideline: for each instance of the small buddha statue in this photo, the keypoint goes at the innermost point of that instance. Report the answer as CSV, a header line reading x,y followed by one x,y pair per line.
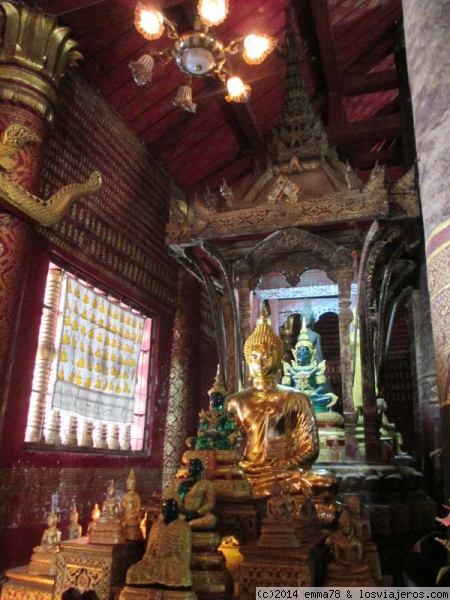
x,y
278,421
348,566
108,527
363,531
307,375
388,431
73,531
131,504
43,559
166,561
197,497
95,514
277,529
217,427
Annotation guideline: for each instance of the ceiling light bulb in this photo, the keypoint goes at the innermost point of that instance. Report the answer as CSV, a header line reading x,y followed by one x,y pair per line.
x,y
257,47
238,90
149,21
142,69
212,12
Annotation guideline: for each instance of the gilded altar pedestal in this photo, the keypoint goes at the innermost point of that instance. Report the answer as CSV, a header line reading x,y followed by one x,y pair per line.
x,y
291,567
98,567
22,584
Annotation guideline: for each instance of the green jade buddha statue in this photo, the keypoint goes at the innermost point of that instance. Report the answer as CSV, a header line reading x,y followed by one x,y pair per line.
x,y
217,426
304,373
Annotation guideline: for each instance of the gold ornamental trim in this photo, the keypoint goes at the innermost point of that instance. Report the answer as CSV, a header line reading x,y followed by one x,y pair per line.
x,y
35,53
438,257
338,208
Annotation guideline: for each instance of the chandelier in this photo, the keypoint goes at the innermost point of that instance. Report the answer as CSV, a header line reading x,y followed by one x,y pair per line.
x,y
197,53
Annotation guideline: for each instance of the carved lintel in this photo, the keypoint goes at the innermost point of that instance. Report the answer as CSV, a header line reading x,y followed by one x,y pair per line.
x,y
340,207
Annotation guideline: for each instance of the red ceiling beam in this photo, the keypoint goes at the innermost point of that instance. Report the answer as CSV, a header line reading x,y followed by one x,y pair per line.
x,y
325,37
356,85
62,7
372,130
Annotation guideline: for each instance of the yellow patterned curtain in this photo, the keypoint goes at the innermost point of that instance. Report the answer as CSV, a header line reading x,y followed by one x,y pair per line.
x,y
98,356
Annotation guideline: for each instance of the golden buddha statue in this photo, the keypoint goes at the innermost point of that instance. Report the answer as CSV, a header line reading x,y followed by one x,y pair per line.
x,y
108,527
279,421
166,561
277,529
388,431
197,497
73,531
43,559
95,514
363,531
348,567
131,504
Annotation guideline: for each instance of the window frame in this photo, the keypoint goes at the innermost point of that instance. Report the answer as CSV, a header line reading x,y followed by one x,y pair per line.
x,y
41,445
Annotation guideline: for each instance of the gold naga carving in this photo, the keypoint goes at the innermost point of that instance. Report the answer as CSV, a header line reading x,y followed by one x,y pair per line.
x,y
46,212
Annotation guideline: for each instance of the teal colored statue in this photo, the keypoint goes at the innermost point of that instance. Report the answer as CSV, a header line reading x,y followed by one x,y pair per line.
x,y
304,373
217,426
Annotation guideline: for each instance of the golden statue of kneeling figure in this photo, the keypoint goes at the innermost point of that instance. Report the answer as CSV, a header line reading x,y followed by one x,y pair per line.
x,y
279,421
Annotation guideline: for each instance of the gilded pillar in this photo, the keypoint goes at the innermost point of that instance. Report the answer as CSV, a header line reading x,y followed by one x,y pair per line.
x,y
34,55
427,28
345,319
231,367
183,403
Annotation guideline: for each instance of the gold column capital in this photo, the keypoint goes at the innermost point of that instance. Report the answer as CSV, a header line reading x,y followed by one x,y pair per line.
x,y
35,53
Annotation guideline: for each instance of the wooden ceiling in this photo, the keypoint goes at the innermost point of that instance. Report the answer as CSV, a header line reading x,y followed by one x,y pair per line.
x,y
351,59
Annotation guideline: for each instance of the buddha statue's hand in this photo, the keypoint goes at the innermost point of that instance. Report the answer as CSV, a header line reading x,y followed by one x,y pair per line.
x,y
189,515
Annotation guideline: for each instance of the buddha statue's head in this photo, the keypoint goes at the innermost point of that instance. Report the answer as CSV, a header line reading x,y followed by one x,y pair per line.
x,y
169,510
195,467
52,519
217,394
304,348
111,491
131,481
74,515
345,522
263,349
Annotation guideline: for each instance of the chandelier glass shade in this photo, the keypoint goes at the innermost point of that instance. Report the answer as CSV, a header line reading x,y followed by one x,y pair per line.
x,y
198,52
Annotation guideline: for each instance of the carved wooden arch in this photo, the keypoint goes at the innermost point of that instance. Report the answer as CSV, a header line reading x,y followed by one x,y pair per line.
x,y
292,252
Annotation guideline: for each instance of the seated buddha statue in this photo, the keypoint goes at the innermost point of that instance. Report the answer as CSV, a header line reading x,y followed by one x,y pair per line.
x,y
217,427
307,375
197,497
278,421
131,504
73,530
388,430
348,566
363,531
43,559
277,528
108,527
166,561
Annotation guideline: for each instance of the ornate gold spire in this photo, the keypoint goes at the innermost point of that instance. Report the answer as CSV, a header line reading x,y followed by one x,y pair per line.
x,y
35,53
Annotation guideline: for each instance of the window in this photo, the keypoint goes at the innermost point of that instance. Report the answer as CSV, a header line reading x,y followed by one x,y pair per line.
x,y
91,378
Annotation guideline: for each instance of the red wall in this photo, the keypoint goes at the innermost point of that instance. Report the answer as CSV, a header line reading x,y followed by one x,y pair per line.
x,y
117,237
